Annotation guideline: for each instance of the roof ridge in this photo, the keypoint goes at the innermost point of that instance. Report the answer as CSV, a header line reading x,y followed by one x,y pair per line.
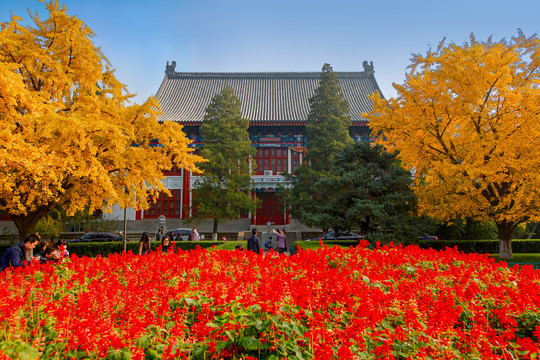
x,y
309,74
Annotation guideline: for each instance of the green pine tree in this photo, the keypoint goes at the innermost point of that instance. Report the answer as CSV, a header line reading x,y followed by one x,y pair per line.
x,y
223,191
327,133
328,123
365,189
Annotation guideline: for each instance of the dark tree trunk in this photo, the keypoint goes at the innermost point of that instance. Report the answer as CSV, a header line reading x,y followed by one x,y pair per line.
x,y
214,231
26,224
505,239
533,231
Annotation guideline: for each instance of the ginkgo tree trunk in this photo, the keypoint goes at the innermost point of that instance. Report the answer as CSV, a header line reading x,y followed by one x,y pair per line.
x,y
466,121
69,136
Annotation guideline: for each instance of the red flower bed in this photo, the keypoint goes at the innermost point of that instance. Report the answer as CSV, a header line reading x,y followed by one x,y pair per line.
x,y
333,303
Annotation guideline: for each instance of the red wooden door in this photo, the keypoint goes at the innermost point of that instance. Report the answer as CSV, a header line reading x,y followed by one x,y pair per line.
x,y
269,210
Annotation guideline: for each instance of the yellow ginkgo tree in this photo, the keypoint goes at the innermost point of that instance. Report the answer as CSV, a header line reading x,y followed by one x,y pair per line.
x,y
466,121
69,136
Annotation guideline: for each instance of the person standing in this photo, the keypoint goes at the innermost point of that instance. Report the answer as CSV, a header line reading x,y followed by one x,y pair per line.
x,y
269,224
194,236
253,242
166,245
144,244
159,235
280,239
15,256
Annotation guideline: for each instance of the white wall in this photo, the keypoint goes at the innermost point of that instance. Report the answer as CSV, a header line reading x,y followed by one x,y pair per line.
x,y
118,214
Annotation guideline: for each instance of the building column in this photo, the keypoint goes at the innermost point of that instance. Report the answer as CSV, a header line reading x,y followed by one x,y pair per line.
x,y
289,160
190,194
253,215
184,193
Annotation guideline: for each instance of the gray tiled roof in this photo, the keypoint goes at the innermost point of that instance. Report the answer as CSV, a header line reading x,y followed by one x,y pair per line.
x,y
265,97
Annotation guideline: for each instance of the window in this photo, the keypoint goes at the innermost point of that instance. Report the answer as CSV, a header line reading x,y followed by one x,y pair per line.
x,y
165,205
274,159
294,165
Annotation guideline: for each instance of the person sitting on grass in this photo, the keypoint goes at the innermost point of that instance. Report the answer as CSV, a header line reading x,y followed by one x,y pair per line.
x,y
15,256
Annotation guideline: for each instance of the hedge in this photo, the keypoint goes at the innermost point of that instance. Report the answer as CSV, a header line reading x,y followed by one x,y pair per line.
x,y
483,246
92,249
466,246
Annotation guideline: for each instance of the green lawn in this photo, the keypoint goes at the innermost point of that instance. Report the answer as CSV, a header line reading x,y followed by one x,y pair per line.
x,y
521,258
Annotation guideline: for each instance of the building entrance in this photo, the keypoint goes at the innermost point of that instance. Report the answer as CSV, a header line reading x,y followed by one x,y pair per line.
x,y
270,210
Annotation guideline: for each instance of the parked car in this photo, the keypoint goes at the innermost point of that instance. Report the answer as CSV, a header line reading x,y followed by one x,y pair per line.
x,y
96,237
183,233
341,235
427,237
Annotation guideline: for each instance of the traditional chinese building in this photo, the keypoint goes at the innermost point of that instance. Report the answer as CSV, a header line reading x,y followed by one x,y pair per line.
x,y
277,107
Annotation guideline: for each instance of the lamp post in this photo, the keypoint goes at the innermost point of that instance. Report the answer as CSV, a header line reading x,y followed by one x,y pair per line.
x,y
125,222
125,228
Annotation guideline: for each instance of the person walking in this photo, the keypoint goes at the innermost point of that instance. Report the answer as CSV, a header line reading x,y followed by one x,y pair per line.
x,y
15,256
280,239
253,242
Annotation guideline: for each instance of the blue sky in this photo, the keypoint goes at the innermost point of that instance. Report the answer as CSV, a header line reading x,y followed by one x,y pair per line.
x,y
140,36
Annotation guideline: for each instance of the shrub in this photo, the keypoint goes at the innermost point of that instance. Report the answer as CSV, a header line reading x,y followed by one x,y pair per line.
x,y
107,248
483,246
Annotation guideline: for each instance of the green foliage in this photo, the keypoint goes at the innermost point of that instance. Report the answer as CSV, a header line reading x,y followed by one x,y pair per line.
x,y
224,189
105,248
365,189
330,243
371,192
244,330
90,249
528,247
483,246
48,226
522,258
524,231
467,229
327,129
327,133
299,198
105,225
